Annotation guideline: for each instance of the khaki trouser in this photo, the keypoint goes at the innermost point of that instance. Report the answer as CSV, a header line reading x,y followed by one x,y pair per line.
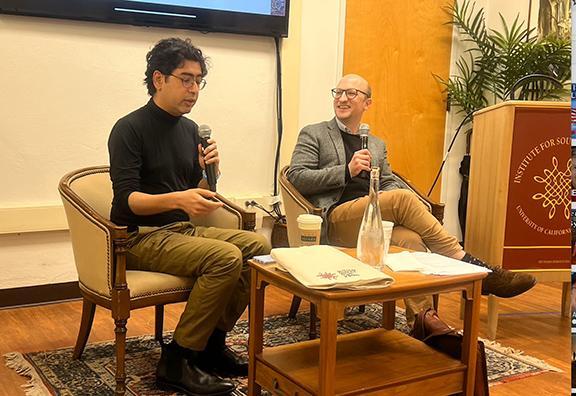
x,y
415,228
215,258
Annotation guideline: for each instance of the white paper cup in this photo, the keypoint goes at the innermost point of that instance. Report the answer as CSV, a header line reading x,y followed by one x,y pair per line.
x,y
310,227
387,227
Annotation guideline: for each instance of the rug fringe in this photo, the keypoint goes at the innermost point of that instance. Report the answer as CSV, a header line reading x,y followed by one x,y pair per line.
x,y
519,355
35,386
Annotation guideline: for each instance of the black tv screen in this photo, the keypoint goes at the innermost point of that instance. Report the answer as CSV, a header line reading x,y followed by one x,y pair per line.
x,y
259,17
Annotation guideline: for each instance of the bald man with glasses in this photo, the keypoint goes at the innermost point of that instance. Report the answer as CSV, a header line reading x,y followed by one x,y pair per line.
x,y
327,168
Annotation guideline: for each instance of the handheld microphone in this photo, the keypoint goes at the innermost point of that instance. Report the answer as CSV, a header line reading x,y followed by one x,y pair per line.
x,y
363,130
204,132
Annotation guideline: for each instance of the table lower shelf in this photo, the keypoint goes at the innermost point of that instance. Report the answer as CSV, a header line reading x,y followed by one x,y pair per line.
x,y
374,362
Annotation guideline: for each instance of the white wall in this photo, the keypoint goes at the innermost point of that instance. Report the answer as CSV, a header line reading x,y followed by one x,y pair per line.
x,y
322,58
42,258
65,83
451,179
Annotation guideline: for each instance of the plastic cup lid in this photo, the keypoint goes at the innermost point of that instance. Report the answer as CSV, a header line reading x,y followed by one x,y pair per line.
x,y
309,219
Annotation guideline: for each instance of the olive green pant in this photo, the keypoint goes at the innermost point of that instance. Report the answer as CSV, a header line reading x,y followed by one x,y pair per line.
x,y
415,228
215,258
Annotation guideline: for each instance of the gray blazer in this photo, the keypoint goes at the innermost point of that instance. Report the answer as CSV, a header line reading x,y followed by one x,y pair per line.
x,y
318,164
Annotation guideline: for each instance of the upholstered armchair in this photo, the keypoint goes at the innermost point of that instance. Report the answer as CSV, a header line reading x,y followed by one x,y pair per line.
x,y
99,248
296,204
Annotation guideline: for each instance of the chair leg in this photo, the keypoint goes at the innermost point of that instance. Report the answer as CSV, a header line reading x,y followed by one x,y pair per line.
x,y
492,321
294,307
436,301
159,323
88,309
120,332
313,319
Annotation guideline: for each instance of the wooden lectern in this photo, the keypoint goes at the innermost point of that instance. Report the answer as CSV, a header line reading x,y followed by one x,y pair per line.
x,y
518,214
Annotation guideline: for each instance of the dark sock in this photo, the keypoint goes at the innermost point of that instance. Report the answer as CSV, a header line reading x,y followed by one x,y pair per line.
x,y
177,348
217,340
468,258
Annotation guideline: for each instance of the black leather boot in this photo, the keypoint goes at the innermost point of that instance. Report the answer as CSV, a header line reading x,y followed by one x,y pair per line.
x,y
501,282
178,370
220,359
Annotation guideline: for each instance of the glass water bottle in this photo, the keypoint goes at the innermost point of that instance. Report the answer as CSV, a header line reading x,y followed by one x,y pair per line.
x,y
370,247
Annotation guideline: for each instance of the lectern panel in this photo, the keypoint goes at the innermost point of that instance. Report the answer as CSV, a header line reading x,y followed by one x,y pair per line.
x,y
519,193
537,232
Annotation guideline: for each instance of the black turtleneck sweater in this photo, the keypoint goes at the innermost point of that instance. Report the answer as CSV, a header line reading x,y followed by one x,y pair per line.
x,y
152,152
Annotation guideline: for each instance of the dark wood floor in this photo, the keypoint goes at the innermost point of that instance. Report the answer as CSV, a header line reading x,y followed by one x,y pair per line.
x,y
531,323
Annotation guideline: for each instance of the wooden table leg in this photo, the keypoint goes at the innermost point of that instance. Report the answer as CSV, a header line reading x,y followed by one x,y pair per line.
x,y
470,341
388,314
312,334
256,337
328,334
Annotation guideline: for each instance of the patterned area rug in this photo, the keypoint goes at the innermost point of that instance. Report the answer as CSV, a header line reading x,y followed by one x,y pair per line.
x,y
55,373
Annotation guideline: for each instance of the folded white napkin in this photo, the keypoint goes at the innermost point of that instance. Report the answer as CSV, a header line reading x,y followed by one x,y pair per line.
x,y
431,264
325,267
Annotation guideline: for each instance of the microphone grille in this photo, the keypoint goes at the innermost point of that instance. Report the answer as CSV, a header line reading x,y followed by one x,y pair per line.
x,y
364,129
204,131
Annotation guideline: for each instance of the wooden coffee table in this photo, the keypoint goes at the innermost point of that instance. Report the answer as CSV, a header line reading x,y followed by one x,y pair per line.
x,y
373,362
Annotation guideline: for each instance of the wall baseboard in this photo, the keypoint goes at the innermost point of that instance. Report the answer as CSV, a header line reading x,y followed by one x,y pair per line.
x,y
32,219
39,294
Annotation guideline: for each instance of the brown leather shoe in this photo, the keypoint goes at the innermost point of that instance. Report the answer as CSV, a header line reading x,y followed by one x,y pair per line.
x,y
501,282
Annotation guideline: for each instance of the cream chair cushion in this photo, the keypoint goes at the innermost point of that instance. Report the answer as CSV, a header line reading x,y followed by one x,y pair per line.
x,y
147,283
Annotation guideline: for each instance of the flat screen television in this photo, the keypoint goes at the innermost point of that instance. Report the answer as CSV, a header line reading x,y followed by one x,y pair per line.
x,y
258,17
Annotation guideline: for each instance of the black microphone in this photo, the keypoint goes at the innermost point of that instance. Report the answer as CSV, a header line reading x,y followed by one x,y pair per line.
x,y
204,132
363,130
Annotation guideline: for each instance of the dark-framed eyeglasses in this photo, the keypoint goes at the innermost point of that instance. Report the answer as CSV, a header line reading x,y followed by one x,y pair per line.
x,y
351,93
188,82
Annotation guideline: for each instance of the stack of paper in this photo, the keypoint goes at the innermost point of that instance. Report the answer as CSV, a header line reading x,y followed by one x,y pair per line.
x,y
431,264
325,267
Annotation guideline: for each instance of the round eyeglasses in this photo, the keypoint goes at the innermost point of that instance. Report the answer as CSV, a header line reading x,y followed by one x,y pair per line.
x,y
188,82
351,93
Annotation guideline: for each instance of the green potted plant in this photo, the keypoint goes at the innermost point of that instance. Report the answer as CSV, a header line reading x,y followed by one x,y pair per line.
x,y
496,60
494,65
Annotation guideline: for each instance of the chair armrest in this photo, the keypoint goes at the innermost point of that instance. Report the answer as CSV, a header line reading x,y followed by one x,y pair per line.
x,y
98,244
299,199
248,218
436,208
230,216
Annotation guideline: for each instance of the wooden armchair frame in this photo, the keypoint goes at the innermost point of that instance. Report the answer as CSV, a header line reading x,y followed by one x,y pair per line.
x,y
100,254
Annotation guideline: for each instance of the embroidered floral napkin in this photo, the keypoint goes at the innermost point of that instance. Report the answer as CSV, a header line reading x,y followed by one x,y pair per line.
x,y
325,267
